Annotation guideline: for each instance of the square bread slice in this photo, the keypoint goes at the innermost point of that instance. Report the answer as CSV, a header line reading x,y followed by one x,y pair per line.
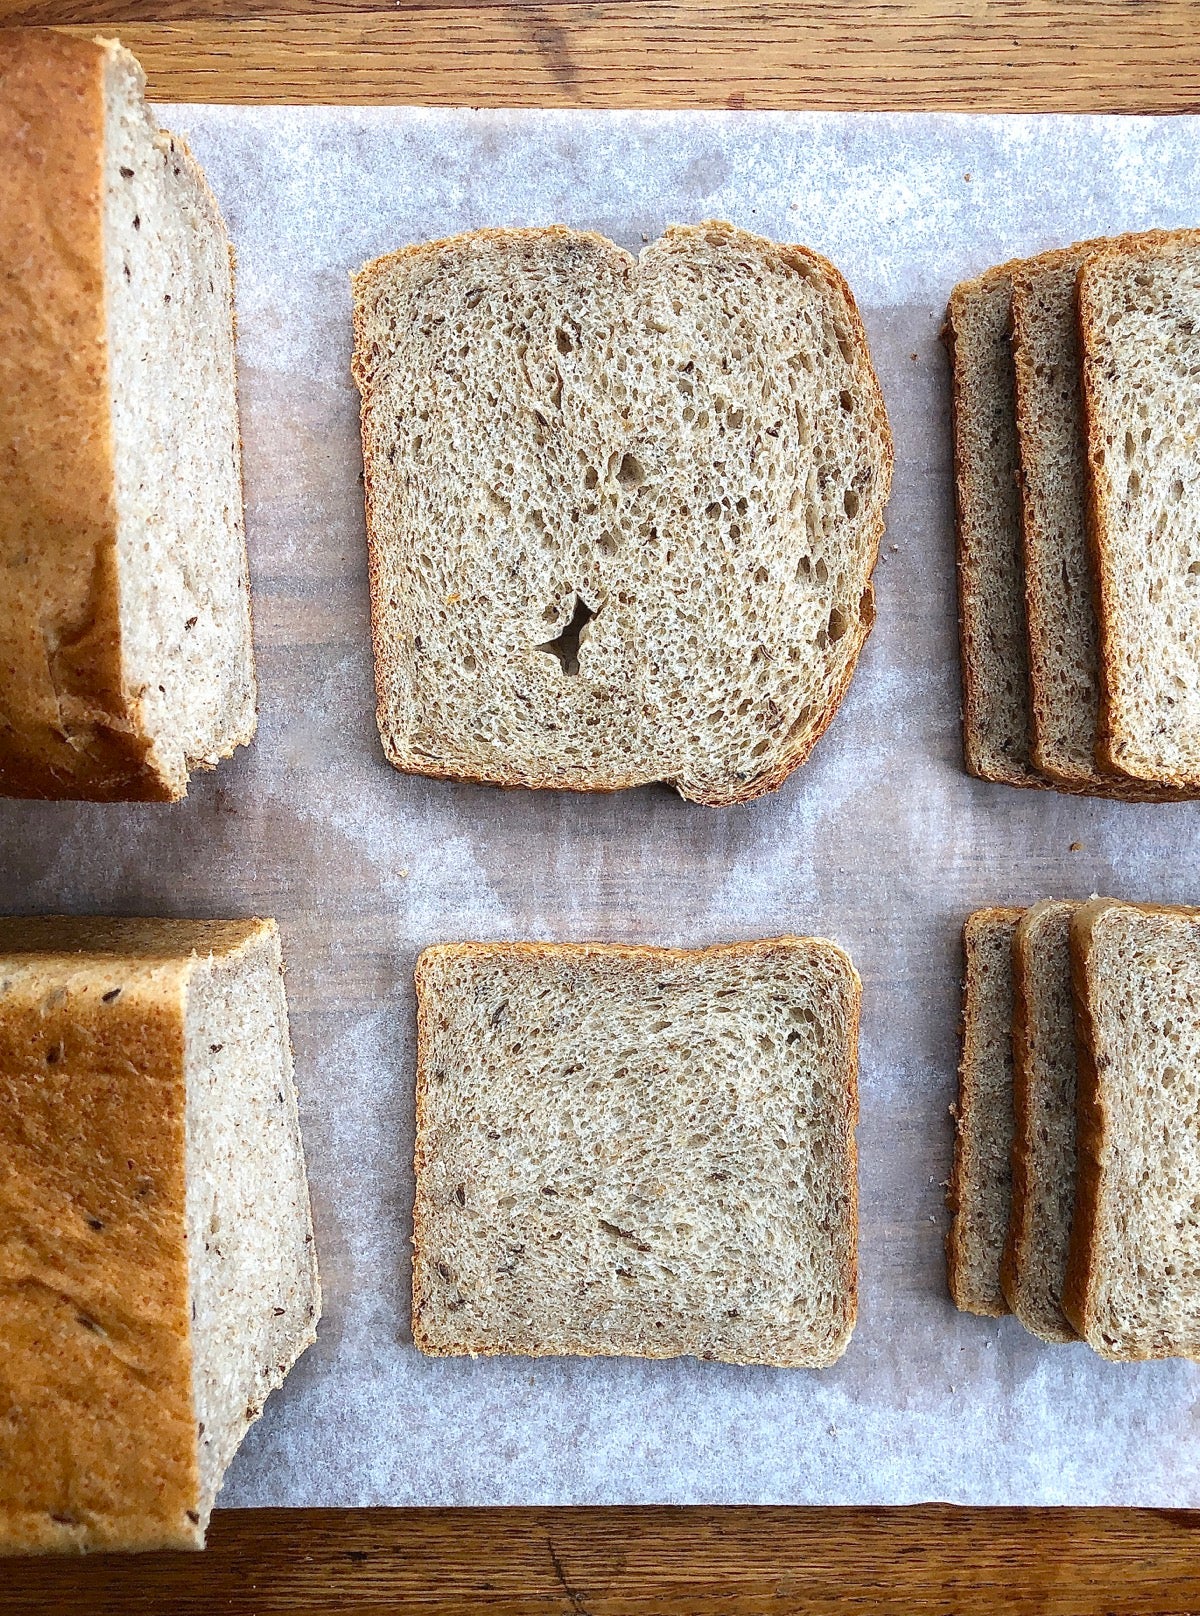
x,y
622,512
1064,655
157,1269
125,653
1139,320
997,727
1043,1153
1133,1278
637,1151
981,1182
1064,673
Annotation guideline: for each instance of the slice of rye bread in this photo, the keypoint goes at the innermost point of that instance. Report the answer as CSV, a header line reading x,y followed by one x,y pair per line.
x,y
622,513
157,1267
637,1151
1064,658
125,648
1043,1153
991,590
1133,1278
981,1182
1139,321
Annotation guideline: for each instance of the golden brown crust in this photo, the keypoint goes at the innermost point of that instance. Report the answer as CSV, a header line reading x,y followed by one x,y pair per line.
x,y
956,1255
100,1449
1108,581
67,727
973,686
98,1438
619,951
362,373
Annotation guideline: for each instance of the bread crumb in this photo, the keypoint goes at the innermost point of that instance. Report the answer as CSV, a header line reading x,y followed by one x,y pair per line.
x,y
1077,847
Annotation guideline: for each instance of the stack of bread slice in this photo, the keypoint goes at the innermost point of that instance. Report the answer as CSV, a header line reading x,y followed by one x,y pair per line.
x,y
1076,385
1076,1184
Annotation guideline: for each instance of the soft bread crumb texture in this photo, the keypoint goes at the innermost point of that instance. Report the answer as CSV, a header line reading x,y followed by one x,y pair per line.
x,y
131,1357
637,1151
182,569
1133,1282
981,1181
1060,585
124,607
991,587
251,1255
622,513
1064,656
1043,1154
1139,316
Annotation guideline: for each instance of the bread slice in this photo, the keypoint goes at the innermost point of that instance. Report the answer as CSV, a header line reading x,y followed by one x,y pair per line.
x,y
1064,672
1064,659
991,585
1133,1278
157,1270
622,513
1043,1153
1139,319
641,1151
981,1182
125,654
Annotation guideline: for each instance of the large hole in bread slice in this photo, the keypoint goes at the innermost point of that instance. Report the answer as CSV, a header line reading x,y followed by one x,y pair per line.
x,y
566,645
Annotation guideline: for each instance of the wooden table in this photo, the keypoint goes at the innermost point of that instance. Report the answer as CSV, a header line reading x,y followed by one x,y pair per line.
x,y
1085,55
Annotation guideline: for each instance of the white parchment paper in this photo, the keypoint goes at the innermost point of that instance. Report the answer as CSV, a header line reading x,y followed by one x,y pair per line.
x,y
881,841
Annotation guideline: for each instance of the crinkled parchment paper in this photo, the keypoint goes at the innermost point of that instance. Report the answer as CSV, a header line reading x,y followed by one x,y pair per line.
x,y
881,841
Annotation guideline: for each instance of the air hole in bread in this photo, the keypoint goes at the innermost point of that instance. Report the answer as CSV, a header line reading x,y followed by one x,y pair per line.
x,y
566,645
631,474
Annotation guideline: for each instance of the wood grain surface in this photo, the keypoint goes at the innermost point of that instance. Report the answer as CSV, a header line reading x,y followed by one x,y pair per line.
x,y
1080,55
933,1561
1049,55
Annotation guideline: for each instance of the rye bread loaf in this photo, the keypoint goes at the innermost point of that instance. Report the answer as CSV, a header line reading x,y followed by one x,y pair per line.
x,y
1139,322
1043,1153
981,1181
637,1151
991,586
622,513
125,653
157,1270
1133,1278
